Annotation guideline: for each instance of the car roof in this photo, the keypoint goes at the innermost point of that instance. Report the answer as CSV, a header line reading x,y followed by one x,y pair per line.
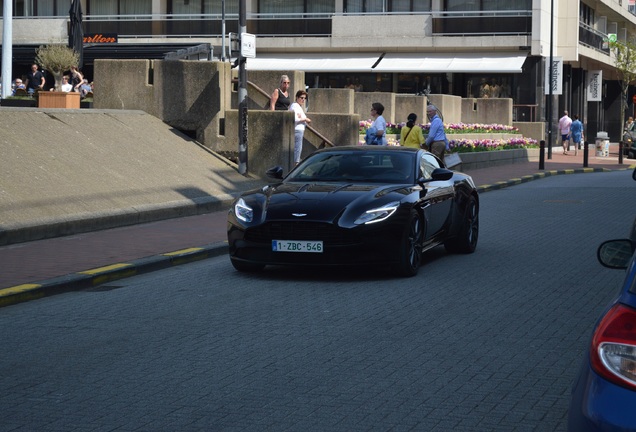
x,y
364,148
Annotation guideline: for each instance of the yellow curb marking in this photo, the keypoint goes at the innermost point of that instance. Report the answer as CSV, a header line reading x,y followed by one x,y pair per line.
x,y
105,269
183,251
18,289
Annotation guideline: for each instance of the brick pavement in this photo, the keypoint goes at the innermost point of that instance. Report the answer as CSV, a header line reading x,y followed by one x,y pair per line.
x,y
45,267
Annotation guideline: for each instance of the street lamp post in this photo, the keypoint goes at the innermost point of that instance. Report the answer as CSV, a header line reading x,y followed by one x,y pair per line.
x,y
551,78
242,95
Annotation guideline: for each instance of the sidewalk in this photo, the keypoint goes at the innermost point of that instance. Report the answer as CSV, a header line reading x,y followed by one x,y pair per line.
x,y
45,267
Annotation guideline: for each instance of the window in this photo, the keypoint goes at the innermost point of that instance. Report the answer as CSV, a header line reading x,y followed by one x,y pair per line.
x,y
362,6
487,5
42,8
296,6
587,15
428,163
119,7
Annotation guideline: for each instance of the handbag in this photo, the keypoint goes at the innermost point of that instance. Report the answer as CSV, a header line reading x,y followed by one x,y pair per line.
x,y
452,159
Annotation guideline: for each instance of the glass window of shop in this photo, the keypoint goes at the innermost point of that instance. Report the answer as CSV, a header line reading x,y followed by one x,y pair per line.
x,y
488,86
361,6
296,6
459,84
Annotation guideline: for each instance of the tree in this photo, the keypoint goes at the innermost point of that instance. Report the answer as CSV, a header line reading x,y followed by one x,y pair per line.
x,y
56,59
625,62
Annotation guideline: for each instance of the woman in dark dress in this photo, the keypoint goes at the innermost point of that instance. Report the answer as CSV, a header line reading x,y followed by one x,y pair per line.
x,y
279,100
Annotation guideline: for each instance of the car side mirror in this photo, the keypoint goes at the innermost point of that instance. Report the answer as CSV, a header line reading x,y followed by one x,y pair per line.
x,y
438,174
275,172
615,254
634,174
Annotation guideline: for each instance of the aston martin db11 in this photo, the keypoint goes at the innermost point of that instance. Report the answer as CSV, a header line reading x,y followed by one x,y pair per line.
x,y
358,205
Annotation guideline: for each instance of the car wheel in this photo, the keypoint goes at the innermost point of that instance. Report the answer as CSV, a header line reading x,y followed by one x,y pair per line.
x,y
243,266
631,155
466,240
410,253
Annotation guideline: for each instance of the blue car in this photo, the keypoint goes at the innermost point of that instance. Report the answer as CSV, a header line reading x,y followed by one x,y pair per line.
x,y
604,393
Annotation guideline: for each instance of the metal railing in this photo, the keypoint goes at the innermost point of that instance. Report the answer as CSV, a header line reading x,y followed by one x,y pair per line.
x,y
508,22
593,38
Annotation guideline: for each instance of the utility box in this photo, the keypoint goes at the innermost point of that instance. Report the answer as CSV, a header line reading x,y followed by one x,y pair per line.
x,y
602,144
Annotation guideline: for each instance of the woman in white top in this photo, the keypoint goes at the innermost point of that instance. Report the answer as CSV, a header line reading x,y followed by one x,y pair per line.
x,y
301,120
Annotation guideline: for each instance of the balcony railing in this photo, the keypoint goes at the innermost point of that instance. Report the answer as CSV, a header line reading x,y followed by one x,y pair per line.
x,y
298,25
592,38
513,22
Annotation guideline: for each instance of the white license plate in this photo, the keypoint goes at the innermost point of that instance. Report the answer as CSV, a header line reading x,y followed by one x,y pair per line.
x,y
296,246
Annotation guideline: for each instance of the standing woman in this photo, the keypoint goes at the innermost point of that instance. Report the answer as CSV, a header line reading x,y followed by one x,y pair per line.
x,y
376,133
576,130
301,120
76,78
279,100
411,134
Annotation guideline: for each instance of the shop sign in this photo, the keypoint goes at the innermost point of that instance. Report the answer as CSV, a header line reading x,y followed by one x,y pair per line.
x,y
100,38
594,85
557,75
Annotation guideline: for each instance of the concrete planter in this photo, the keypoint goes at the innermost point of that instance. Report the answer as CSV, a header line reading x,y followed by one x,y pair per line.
x,y
487,159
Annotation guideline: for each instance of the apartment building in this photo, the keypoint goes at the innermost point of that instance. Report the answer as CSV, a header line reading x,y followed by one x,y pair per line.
x,y
468,48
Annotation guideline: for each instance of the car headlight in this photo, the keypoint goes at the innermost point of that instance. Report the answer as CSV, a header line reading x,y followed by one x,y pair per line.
x,y
378,214
243,211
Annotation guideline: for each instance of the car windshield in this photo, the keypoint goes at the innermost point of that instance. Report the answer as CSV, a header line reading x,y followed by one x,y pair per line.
x,y
373,167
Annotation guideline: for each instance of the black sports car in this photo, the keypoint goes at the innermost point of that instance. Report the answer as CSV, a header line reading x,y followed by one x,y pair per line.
x,y
366,205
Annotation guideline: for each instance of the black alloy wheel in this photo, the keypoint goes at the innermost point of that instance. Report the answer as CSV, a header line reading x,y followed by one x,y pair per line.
x,y
410,253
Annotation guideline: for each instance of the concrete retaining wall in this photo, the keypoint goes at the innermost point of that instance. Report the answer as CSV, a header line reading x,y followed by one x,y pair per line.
x,y
486,111
202,104
533,130
487,159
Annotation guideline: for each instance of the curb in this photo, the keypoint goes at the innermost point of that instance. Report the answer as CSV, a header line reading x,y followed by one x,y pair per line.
x,y
93,277
98,276
536,176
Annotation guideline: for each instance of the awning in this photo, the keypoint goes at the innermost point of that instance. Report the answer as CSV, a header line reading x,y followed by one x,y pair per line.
x,y
493,62
331,62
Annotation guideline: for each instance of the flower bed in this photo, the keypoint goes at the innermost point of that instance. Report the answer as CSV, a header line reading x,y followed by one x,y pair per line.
x,y
464,145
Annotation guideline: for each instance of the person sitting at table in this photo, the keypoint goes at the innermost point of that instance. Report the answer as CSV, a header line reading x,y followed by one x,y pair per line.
x,y
66,86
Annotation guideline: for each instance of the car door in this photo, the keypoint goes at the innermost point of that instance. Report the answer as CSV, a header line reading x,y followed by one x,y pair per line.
x,y
438,200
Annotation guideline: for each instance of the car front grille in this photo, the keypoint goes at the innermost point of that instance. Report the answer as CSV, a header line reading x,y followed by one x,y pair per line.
x,y
329,234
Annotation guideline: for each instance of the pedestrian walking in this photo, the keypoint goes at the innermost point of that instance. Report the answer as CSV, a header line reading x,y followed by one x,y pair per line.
x,y
576,130
564,128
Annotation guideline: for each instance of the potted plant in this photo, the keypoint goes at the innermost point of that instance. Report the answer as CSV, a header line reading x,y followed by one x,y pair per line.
x,y
57,59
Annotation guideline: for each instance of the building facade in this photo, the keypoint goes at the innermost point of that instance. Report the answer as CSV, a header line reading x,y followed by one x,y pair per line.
x,y
468,48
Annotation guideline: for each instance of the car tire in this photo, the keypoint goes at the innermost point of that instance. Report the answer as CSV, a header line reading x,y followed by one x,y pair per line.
x,y
631,155
466,239
410,253
243,266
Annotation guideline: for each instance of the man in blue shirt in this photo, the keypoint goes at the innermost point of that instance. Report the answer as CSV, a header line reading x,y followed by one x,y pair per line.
x,y
436,139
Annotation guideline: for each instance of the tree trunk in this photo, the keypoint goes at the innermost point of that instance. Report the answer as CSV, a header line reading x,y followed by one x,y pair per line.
x,y
58,80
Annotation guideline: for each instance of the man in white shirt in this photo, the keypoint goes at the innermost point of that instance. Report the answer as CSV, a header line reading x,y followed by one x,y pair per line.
x,y
66,86
564,127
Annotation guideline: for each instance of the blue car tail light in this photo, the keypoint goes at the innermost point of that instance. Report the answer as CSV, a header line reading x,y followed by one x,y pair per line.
x,y
613,350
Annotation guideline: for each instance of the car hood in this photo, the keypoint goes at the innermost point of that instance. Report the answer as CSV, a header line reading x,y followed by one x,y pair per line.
x,y
323,201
